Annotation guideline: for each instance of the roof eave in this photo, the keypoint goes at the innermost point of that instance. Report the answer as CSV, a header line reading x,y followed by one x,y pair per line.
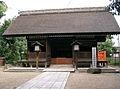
x,y
47,34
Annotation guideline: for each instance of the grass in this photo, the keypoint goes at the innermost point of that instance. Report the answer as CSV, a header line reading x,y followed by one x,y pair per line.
x,y
113,61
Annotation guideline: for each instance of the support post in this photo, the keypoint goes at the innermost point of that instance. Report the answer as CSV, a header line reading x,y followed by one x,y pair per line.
x,y
46,53
37,60
76,61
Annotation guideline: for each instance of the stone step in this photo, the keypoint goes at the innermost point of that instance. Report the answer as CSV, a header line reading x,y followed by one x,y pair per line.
x,y
59,70
103,70
22,69
61,66
83,70
109,70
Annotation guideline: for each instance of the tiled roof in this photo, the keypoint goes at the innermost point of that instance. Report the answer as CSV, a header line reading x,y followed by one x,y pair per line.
x,y
63,21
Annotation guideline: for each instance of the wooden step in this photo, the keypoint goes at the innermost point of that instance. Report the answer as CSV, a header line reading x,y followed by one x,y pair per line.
x,y
61,60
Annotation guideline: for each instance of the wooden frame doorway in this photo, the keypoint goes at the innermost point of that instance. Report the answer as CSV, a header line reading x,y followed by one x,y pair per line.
x,y
61,51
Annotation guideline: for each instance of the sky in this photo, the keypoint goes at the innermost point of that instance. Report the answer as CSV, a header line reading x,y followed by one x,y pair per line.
x,y
14,6
22,5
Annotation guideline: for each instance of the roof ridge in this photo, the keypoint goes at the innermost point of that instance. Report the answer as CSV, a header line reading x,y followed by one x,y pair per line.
x,y
64,10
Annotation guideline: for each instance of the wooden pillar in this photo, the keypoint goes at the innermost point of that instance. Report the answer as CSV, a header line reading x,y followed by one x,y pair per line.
x,y
27,49
37,59
46,53
48,50
76,60
73,57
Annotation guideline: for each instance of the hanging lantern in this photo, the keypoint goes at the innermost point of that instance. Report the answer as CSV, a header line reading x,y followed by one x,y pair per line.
x,y
76,47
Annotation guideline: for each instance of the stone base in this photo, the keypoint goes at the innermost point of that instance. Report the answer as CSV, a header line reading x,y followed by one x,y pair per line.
x,y
94,70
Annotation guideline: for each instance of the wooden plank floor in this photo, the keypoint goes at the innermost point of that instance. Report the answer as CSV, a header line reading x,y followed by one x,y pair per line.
x,y
47,80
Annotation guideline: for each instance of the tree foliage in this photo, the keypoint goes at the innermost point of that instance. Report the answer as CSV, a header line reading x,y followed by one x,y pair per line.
x,y
3,8
107,45
114,7
11,48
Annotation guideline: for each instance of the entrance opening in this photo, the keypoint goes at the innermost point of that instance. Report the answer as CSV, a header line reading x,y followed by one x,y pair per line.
x,y
61,48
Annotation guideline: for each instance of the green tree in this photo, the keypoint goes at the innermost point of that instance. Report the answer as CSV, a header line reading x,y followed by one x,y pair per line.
x,y
107,45
114,7
3,41
11,48
3,8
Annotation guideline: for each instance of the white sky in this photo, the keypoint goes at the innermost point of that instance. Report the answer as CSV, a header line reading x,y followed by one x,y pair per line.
x,y
21,5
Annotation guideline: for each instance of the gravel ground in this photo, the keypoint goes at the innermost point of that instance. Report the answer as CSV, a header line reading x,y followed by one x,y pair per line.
x,y
10,80
93,81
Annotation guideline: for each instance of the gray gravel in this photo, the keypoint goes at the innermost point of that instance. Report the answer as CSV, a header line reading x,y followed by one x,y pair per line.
x,y
10,80
93,81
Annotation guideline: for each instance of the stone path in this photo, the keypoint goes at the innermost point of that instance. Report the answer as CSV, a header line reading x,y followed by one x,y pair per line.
x,y
47,80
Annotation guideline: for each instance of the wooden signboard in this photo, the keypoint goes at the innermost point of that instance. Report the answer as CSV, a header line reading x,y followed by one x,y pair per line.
x,y
102,56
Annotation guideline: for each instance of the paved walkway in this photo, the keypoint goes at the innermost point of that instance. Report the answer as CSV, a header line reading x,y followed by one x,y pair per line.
x,y
47,80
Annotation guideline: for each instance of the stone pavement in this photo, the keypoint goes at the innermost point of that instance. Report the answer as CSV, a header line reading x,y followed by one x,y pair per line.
x,y
59,70
47,80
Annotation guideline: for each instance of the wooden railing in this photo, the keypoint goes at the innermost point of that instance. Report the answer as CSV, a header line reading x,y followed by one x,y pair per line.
x,y
43,61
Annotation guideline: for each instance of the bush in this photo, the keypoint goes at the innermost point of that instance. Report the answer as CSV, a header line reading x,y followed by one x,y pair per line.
x,y
114,61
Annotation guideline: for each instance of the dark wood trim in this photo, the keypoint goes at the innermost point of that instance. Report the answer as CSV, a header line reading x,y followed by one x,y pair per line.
x,y
46,50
